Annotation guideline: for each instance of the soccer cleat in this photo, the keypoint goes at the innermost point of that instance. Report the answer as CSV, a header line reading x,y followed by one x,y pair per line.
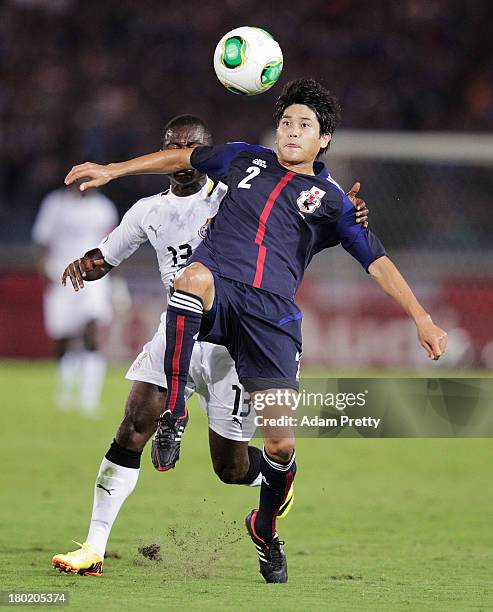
x,y
273,562
165,449
287,504
85,561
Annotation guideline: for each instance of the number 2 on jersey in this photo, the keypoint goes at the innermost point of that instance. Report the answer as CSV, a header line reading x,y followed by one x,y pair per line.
x,y
252,172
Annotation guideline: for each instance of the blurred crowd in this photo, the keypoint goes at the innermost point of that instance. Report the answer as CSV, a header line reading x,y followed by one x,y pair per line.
x,y
81,79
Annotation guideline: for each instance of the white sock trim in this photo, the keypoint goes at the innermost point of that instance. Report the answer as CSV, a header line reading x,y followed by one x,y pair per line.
x,y
280,467
183,301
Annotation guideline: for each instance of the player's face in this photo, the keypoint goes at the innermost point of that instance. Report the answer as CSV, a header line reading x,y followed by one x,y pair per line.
x,y
185,137
298,135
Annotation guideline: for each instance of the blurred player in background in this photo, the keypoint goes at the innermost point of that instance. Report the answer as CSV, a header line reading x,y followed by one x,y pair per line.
x,y
67,224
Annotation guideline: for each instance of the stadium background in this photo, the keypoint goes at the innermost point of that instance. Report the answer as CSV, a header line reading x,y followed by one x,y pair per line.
x,y
84,83
97,80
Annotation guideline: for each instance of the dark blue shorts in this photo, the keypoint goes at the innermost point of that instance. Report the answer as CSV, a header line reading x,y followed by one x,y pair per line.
x,y
261,330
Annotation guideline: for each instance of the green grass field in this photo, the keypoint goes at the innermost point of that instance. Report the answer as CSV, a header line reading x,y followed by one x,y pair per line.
x,y
377,524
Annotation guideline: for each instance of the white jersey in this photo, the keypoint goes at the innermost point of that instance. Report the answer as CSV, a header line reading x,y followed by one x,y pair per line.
x,y
69,224
174,225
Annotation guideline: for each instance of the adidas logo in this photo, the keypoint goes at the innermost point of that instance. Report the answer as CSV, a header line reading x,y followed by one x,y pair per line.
x,y
179,433
260,162
260,553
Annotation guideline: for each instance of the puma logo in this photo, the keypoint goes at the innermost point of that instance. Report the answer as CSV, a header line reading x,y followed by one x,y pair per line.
x,y
154,229
100,486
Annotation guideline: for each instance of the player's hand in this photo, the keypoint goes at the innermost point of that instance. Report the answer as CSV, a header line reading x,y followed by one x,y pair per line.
x,y
78,270
432,338
96,175
362,211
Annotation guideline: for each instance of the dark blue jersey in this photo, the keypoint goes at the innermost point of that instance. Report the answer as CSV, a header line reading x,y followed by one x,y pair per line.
x,y
272,221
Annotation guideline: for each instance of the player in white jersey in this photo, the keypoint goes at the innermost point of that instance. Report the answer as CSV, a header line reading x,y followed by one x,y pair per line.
x,y
66,225
175,225
174,222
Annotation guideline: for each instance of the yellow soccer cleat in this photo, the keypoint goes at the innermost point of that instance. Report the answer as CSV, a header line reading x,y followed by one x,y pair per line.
x,y
286,504
85,561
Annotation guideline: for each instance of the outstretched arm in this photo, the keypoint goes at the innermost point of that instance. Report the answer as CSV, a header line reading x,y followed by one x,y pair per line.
x,y
432,338
161,162
91,267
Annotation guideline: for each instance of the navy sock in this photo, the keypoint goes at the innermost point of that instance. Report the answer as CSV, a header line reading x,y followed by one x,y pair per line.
x,y
276,482
182,326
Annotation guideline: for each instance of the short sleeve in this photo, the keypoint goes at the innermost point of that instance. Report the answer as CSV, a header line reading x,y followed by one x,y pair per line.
x,y
362,244
44,228
215,197
112,214
215,161
126,238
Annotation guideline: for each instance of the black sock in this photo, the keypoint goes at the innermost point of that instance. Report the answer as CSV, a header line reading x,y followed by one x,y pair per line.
x,y
276,482
182,326
255,457
123,456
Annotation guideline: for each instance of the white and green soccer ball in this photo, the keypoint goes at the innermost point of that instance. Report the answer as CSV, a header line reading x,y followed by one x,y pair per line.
x,y
248,61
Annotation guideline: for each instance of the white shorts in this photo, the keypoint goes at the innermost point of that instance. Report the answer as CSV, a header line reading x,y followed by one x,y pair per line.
x,y
67,312
212,376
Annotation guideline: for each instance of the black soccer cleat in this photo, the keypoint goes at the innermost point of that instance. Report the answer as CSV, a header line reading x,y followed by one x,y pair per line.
x,y
165,449
273,562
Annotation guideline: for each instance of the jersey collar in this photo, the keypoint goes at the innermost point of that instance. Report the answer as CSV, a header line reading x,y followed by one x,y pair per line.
x,y
168,194
318,167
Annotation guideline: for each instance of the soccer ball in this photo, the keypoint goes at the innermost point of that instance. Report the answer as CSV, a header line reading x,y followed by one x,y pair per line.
x,y
248,61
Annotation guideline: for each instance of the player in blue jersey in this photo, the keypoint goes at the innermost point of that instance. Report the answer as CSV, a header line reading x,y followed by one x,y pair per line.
x,y
281,209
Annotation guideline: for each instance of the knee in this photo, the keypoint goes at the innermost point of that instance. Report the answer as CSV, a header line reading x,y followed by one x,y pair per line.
x,y
280,449
195,278
230,474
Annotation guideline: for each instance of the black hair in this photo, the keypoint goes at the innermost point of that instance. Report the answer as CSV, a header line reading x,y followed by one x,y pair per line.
x,y
314,95
183,121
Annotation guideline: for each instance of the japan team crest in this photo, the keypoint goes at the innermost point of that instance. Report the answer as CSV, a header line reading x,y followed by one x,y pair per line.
x,y
308,201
